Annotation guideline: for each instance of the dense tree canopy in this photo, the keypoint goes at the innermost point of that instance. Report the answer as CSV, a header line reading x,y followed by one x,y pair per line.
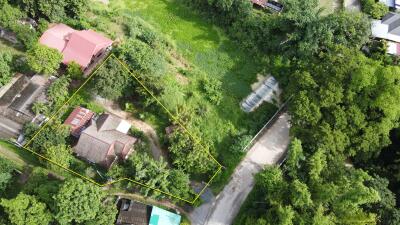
x,y
5,68
25,209
43,59
111,87
6,168
54,10
77,201
347,109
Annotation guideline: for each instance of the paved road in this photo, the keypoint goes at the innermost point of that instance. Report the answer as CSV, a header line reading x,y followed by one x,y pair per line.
x,y
267,151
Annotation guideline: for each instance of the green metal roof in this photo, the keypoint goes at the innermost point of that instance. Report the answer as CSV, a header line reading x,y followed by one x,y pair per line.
x,y
163,217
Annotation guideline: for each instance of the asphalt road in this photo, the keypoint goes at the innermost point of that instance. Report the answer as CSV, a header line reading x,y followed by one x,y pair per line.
x,y
223,209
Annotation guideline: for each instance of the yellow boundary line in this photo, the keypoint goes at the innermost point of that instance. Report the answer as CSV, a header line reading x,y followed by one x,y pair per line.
x,y
197,140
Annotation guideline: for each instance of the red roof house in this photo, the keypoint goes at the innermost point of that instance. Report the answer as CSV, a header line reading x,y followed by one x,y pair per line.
x,y
79,46
78,120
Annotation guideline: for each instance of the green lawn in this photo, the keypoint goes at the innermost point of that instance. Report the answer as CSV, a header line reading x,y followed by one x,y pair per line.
x,y
207,48
20,156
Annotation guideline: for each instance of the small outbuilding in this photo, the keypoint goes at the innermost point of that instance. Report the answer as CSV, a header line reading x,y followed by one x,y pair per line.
x,y
136,213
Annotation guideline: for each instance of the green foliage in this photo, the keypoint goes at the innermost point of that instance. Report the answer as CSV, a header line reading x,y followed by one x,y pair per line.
x,y
77,201
43,59
6,169
375,9
54,134
141,30
40,185
336,107
386,208
286,199
213,89
58,92
5,68
25,209
111,80
9,15
294,159
188,155
54,10
142,58
105,216
155,174
74,71
59,154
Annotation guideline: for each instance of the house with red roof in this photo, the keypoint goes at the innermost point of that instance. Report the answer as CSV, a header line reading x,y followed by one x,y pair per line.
x,y
81,47
78,120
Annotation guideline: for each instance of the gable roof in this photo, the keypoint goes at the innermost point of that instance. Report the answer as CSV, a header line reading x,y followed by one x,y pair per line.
x,y
24,100
78,46
132,212
78,119
56,36
101,142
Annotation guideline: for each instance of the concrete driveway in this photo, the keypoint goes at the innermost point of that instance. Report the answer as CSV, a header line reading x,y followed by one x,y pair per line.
x,y
9,128
268,150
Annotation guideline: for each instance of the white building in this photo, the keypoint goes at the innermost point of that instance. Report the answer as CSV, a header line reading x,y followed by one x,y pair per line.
x,y
391,3
389,29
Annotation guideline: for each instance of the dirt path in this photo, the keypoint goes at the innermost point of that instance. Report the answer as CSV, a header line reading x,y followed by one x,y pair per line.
x,y
352,5
148,130
268,150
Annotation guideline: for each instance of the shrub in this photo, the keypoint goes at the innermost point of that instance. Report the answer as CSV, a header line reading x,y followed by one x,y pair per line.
x,y
375,9
142,58
213,89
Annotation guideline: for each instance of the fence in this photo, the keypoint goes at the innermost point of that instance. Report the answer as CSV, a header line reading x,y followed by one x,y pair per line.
x,y
265,128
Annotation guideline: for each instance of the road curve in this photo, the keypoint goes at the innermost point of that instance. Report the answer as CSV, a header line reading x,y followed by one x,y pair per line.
x,y
268,150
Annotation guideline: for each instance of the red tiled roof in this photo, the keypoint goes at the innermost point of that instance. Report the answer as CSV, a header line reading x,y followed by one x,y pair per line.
x,y
78,46
78,119
57,36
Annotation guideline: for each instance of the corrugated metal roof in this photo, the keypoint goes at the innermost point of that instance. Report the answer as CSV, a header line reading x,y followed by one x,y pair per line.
x,y
163,217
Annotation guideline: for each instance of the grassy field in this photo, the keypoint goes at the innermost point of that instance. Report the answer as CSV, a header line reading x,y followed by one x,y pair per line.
x,y
206,47
20,156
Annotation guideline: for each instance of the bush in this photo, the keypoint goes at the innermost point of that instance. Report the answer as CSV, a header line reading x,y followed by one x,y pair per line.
x,y
74,71
213,89
142,58
5,68
139,29
375,9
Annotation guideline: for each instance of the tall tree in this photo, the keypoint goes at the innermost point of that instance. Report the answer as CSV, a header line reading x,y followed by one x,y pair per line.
x,y
43,59
6,169
344,102
5,68
110,86
77,201
25,209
